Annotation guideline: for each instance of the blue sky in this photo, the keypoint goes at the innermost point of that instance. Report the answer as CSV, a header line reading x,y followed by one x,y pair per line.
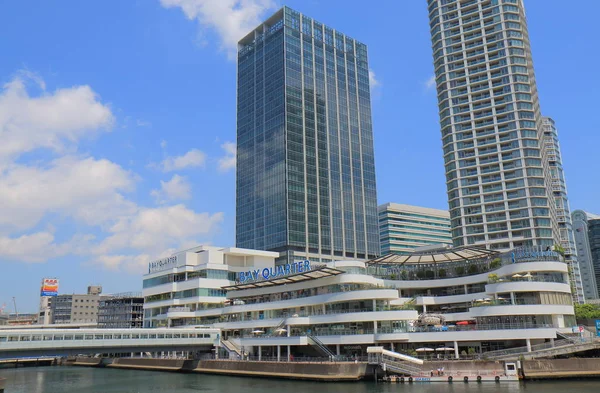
x,y
117,120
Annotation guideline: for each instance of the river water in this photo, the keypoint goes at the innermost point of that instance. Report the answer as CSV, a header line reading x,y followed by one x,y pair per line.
x,y
95,380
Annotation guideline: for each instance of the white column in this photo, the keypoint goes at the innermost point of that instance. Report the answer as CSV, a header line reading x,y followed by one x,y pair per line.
x,y
374,305
456,354
279,353
259,353
424,308
323,308
392,346
337,349
374,327
552,342
289,352
512,298
528,341
289,331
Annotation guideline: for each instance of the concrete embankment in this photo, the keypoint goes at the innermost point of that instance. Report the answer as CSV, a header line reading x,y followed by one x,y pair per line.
x,y
561,368
342,371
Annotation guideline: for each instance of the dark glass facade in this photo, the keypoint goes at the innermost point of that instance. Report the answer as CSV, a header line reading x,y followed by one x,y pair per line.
x,y
305,161
594,238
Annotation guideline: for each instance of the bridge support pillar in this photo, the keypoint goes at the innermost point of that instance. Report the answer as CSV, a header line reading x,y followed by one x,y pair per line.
x,y
528,342
456,354
279,353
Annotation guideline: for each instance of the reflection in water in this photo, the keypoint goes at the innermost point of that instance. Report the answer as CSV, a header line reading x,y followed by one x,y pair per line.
x,y
94,380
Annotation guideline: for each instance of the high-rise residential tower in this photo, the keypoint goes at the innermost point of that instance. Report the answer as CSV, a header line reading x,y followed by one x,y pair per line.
x,y
587,238
305,162
498,176
561,202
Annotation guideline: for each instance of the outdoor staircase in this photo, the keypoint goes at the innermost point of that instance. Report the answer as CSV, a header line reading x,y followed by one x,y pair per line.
x,y
564,346
280,325
393,361
232,350
314,341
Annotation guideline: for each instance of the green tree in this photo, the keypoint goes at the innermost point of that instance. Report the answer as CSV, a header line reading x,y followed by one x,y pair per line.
x,y
559,249
496,263
587,311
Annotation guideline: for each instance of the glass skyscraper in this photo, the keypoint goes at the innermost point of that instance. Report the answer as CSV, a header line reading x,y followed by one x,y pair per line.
x,y
498,174
305,162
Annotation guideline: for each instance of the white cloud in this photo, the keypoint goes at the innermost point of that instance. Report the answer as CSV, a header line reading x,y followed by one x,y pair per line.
x,y
86,189
152,231
67,187
430,83
163,144
177,188
40,246
230,19
228,161
48,121
373,81
193,158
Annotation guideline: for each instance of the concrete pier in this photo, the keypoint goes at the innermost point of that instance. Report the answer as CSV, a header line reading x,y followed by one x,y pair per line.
x,y
314,371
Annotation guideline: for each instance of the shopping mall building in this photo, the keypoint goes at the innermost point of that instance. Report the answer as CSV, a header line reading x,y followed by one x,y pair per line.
x,y
465,299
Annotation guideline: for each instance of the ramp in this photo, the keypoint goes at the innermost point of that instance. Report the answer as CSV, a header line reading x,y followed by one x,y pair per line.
x,y
394,361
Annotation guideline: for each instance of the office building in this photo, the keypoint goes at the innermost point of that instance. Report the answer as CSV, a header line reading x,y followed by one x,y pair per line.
x,y
77,309
305,162
497,170
588,265
561,202
404,228
122,310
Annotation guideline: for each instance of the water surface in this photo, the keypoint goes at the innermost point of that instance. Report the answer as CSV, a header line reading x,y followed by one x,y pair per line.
x,y
97,380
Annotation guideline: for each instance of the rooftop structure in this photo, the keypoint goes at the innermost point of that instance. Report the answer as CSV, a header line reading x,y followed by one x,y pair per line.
x,y
405,228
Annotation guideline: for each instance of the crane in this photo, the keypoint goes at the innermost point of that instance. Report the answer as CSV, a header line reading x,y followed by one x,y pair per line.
x,y
15,304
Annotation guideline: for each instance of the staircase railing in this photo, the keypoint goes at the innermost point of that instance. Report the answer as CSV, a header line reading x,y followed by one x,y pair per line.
x,y
231,349
312,340
401,367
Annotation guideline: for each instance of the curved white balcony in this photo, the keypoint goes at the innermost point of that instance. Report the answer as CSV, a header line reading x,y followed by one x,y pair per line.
x,y
506,270
336,297
367,316
526,286
526,309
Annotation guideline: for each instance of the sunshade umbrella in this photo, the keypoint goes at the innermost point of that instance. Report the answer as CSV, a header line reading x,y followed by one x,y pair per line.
x,y
462,322
516,275
281,330
424,349
445,349
528,275
258,331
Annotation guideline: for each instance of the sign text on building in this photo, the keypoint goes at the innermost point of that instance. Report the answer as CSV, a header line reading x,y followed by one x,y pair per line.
x,y
274,272
162,264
